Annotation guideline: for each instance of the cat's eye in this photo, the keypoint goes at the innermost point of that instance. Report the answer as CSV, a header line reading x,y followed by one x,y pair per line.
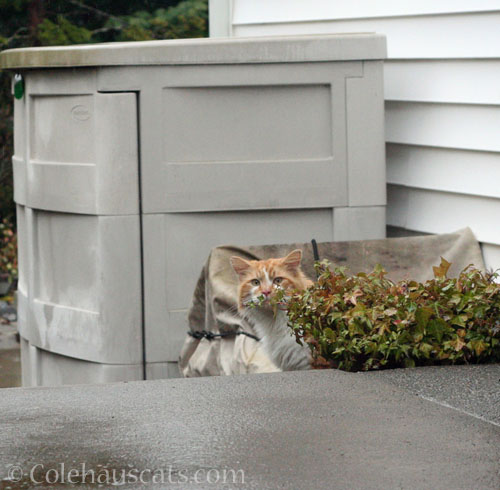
x,y
255,282
278,280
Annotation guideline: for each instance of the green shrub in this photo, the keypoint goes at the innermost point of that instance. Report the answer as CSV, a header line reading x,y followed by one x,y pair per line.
x,y
8,251
366,321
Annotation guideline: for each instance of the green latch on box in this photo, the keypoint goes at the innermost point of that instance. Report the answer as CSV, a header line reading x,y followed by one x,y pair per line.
x,y
18,86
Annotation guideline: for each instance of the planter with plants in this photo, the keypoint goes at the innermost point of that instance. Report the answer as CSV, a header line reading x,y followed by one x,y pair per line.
x,y
366,321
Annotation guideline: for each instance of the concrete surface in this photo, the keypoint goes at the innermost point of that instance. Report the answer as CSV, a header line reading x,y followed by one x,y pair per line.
x,y
8,336
10,356
10,367
300,430
472,389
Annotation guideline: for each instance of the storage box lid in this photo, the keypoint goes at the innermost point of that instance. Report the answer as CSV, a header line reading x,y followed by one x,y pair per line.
x,y
276,49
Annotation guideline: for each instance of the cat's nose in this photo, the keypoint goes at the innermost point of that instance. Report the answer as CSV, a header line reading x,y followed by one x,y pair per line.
x,y
266,293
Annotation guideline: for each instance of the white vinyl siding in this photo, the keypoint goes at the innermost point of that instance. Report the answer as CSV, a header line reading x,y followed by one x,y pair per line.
x,y
463,35
446,81
287,11
442,91
426,167
465,127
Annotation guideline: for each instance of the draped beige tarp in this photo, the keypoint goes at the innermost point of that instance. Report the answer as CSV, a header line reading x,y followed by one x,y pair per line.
x,y
214,307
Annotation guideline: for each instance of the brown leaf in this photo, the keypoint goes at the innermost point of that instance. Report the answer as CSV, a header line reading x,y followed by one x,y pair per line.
x,y
458,344
441,271
319,362
479,346
351,297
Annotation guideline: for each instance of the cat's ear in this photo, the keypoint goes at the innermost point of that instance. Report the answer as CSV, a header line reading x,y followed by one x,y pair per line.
x,y
292,260
240,265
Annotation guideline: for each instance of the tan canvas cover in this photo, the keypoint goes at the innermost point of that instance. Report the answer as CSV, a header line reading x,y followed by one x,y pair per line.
x,y
214,307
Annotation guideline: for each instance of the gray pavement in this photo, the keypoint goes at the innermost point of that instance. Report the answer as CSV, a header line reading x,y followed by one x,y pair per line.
x,y
301,430
10,356
8,336
472,389
10,367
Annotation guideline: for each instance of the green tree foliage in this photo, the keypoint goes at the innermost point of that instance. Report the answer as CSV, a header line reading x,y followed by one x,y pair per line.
x,y
63,22
171,23
62,31
6,129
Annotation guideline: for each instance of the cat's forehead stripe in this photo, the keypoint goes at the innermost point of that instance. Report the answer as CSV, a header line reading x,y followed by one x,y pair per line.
x,y
266,275
267,270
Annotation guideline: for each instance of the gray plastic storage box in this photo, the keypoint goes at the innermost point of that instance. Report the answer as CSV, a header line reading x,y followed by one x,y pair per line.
x,y
133,160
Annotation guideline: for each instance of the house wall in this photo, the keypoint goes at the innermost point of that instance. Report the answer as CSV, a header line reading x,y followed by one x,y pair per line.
x,y
442,99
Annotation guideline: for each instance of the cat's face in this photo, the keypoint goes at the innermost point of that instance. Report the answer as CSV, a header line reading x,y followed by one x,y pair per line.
x,y
262,278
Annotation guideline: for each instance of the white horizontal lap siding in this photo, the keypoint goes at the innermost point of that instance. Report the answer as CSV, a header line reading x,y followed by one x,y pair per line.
x,y
467,35
443,212
463,81
491,254
444,169
443,149
445,125
442,91
286,11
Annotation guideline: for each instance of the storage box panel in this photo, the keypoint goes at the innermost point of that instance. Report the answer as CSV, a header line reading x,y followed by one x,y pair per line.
x,y
51,184
20,134
66,260
359,223
43,368
22,255
60,81
83,150
246,137
62,129
176,247
365,137
162,370
81,288
235,124
19,169
19,157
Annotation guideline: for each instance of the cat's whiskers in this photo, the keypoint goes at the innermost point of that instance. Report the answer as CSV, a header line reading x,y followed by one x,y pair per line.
x,y
231,309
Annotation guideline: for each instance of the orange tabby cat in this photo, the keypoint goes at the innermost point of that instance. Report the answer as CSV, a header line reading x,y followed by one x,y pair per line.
x,y
261,279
